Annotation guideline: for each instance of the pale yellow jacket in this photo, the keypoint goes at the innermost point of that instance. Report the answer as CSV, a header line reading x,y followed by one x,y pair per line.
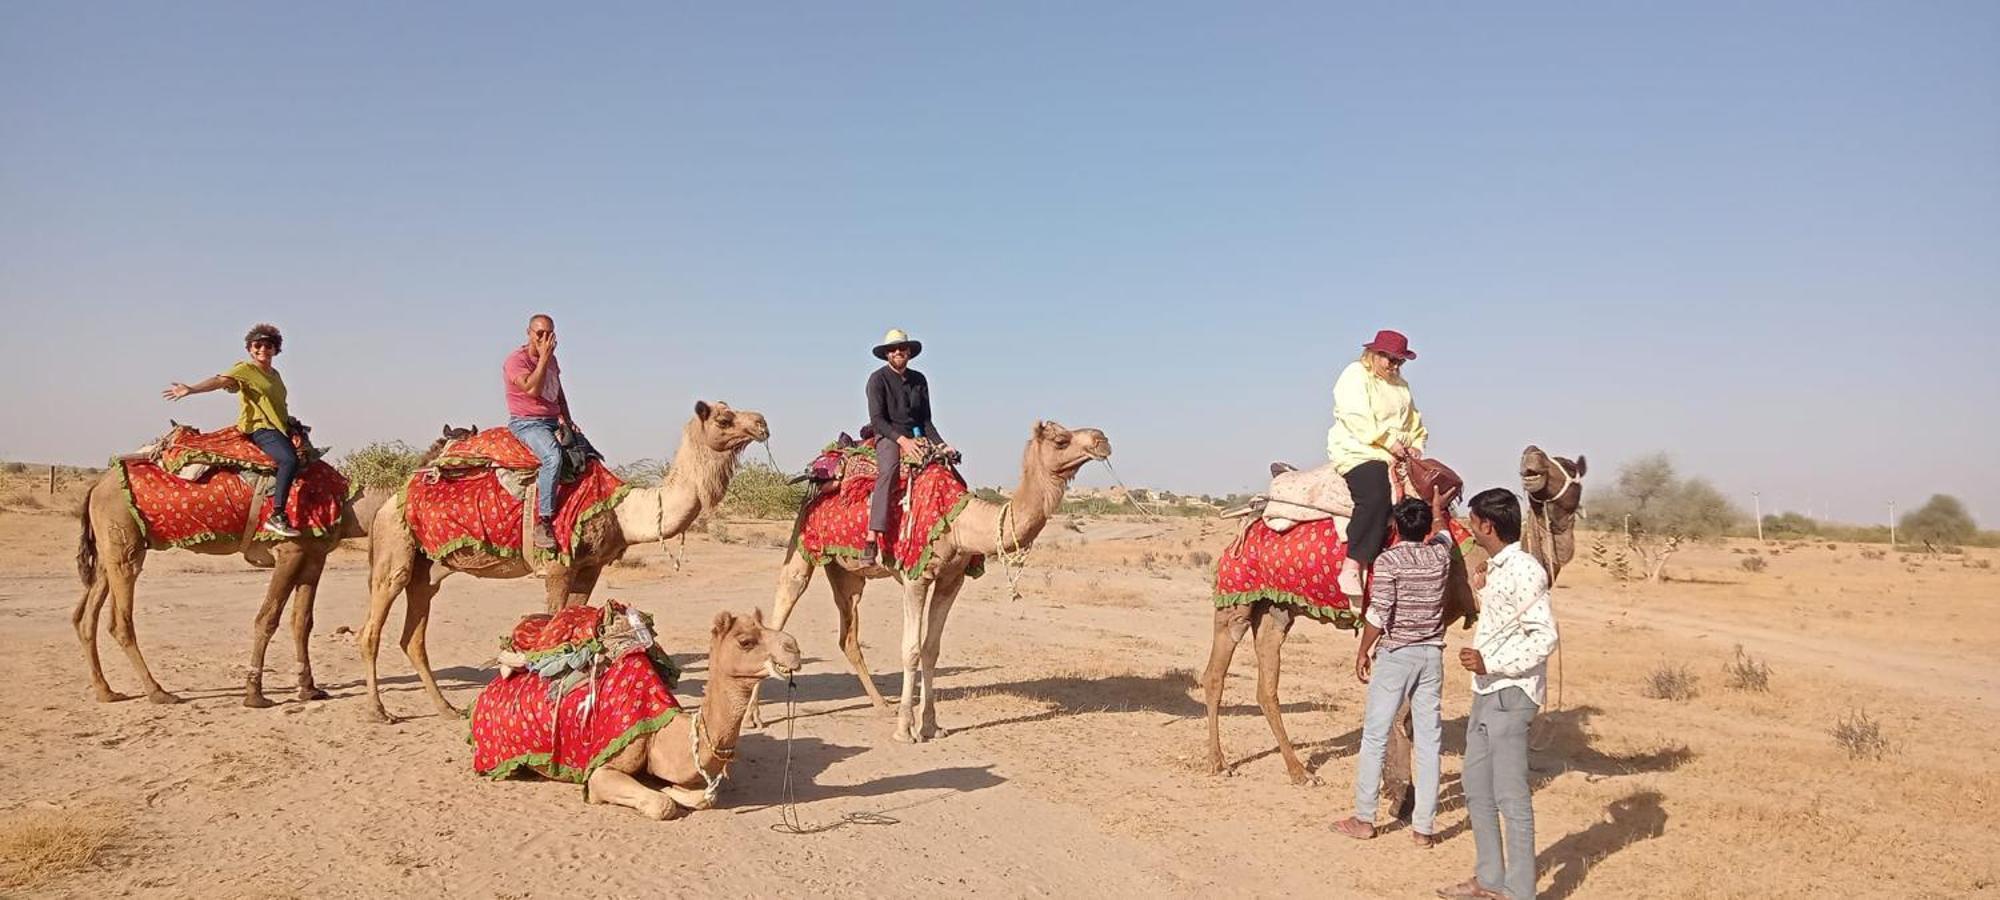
x,y
1369,414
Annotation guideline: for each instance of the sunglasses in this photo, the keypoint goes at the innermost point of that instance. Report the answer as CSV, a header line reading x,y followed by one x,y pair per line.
x,y
899,348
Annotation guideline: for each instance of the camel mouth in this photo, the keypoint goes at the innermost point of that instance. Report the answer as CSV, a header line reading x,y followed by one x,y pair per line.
x,y
777,669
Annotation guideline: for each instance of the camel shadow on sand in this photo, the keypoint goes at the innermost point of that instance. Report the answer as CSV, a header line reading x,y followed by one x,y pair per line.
x,y
811,757
1172,692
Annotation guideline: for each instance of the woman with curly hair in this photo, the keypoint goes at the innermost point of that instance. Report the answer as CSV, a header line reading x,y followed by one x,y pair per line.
x,y
262,415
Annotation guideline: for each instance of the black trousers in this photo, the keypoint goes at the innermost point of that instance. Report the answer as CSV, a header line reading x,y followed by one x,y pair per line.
x,y
889,462
1368,529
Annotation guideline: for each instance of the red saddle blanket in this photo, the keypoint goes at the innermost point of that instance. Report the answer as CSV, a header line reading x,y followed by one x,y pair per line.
x,y
522,720
836,523
492,448
453,509
1299,568
227,448
176,512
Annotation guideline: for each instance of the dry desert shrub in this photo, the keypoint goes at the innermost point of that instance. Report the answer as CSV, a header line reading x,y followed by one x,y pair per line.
x,y
629,561
16,468
1979,563
1872,554
37,848
1745,673
1201,558
1752,564
24,500
1861,736
1670,681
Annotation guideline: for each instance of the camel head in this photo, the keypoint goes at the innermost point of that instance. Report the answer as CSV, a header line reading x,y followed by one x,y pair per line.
x,y
741,647
1062,451
726,430
1553,480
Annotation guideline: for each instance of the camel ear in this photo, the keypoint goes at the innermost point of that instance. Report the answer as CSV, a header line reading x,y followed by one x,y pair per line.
x,y
757,614
1036,432
702,410
723,622
1581,466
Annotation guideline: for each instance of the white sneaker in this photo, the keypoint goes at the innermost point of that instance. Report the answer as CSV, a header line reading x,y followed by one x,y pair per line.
x,y
280,527
1350,582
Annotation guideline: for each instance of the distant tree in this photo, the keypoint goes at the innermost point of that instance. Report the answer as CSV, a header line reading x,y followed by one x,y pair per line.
x,y
1941,520
1660,511
990,495
647,472
1789,524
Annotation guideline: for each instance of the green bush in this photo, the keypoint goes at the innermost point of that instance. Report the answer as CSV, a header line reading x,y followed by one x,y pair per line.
x,y
758,491
383,464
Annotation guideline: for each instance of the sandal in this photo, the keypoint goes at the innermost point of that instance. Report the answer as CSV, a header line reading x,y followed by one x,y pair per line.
x,y
1355,828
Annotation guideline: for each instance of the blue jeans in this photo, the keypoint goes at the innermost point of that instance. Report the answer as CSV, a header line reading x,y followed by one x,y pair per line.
x,y
540,436
278,446
1496,789
1415,673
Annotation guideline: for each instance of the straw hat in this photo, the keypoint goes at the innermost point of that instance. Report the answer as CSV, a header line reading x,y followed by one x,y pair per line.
x,y
897,337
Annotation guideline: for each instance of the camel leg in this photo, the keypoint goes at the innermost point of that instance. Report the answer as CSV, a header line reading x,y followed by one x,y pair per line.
x,y
943,593
85,618
915,594
304,597
608,785
792,581
124,579
582,581
416,618
1396,782
1230,624
556,584
847,588
388,579
284,575
1276,623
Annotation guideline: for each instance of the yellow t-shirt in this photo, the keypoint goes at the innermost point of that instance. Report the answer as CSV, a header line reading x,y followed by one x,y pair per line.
x,y
262,392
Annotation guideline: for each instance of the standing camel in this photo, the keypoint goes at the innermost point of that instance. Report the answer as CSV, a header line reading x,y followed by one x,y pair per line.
x,y
112,551
1555,491
1051,459
711,441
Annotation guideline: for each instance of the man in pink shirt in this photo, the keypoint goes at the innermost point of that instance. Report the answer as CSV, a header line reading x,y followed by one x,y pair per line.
x,y
537,411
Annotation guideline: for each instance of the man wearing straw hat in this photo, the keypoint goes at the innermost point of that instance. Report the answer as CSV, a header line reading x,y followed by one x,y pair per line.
x,y
899,410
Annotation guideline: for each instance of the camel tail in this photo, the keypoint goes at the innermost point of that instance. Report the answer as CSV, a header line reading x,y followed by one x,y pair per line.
x,y
86,546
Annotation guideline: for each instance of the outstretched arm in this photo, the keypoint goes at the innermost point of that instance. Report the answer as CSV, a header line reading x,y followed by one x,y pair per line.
x,y
177,390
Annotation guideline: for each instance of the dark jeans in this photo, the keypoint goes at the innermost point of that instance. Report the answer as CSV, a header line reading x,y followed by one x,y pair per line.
x,y
278,446
889,462
1368,529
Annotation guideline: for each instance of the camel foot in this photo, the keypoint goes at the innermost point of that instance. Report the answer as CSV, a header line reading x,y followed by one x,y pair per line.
x,y
105,694
752,721
160,696
932,732
381,716
1215,767
308,692
902,736
1304,779
257,701
448,711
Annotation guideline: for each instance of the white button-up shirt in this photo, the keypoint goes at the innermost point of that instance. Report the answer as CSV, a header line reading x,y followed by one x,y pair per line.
x,y
1517,627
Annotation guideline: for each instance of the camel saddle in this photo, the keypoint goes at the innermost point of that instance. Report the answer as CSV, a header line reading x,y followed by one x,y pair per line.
x,y
848,458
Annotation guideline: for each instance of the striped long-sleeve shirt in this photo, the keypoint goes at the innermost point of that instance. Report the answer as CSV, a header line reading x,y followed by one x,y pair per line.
x,y
1517,627
1406,596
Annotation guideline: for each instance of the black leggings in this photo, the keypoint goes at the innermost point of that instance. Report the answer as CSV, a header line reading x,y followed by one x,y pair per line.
x,y
278,446
1368,529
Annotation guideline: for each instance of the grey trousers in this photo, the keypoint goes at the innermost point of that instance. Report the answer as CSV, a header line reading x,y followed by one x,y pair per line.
x,y
1496,788
889,460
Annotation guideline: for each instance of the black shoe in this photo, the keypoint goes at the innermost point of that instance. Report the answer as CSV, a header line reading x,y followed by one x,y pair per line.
x,y
545,538
277,525
868,552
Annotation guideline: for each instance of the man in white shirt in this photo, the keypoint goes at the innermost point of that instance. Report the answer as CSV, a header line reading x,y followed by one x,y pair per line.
x,y
1508,660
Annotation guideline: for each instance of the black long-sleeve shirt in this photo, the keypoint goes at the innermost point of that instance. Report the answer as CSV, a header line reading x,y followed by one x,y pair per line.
x,y
898,405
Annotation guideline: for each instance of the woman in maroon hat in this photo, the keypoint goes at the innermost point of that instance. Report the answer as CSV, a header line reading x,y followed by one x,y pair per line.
x,y
1374,425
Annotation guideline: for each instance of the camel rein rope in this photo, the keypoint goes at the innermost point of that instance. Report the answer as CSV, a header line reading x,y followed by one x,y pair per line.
x,y
1541,509
788,802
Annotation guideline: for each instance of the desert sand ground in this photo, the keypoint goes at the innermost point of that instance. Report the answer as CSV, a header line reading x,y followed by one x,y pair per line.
x,y
1075,762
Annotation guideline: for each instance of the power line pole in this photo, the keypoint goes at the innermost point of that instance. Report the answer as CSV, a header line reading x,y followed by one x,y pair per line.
x,y
1758,501
1892,524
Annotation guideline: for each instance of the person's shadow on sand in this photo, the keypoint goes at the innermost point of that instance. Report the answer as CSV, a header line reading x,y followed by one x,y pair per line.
x,y
1628,820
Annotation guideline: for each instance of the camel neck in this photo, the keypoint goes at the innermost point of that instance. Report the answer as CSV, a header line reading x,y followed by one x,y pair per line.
x,y
721,716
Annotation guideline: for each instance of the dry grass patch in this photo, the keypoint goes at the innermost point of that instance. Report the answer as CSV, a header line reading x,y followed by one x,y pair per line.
x,y
39,847
1747,674
1671,681
1861,736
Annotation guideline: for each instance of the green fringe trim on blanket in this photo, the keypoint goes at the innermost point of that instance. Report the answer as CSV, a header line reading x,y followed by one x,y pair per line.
x,y
1341,618
125,488
596,509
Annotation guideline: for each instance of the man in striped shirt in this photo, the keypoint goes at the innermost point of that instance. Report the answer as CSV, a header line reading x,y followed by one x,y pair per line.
x,y
1401,657
1509,662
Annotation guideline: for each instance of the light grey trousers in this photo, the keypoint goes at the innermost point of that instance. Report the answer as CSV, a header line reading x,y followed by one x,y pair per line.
x,y
1415,673
1496,789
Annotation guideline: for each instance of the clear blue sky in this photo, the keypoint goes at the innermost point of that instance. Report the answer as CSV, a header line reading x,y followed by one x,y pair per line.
x,y
1766,240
